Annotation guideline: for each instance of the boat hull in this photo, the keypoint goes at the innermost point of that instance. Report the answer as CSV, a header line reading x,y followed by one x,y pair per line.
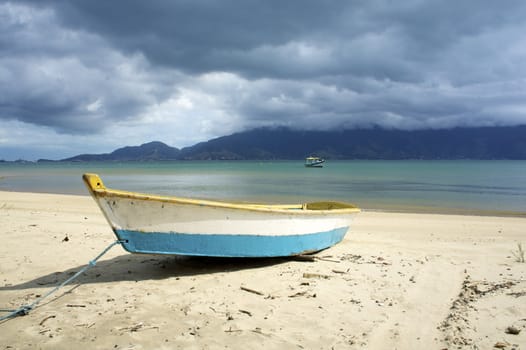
x,y
171,225
218,245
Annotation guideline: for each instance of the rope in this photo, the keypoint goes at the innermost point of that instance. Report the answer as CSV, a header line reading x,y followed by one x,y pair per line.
x,y
25,309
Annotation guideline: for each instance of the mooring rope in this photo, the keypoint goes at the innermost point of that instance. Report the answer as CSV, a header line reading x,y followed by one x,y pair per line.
x,y
25,309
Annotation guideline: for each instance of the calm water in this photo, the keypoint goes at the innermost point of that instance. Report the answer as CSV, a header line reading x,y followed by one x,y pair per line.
x,y
427,185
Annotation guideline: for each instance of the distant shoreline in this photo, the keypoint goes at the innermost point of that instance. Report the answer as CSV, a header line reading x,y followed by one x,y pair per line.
x,y
400,209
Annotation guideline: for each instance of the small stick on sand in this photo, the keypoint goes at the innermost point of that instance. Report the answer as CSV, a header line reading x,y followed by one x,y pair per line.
x,y
315,275
326,259
251,290
246,312
45,319
311,258
230,330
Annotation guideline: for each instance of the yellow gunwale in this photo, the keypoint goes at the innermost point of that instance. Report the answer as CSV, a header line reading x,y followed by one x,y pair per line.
x,y
97,189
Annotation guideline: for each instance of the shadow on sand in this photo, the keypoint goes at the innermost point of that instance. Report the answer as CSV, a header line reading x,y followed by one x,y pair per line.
x,y
135,267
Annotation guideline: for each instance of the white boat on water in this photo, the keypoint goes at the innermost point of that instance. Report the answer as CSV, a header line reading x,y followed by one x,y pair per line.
x,y
314,162
172,225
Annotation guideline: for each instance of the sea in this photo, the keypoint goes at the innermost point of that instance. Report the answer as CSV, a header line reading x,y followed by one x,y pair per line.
x,y
462,186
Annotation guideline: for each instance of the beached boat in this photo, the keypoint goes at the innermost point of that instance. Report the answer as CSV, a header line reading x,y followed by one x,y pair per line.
x,y
171,225
314,162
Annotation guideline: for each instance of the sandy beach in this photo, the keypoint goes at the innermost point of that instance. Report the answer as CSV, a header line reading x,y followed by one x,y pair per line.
x,y
397,281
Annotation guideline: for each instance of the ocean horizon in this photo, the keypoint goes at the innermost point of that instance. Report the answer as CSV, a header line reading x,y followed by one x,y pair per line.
x,y
463,186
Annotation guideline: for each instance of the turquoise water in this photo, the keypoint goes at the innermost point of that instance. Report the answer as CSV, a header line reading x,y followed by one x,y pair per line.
x,y
427,185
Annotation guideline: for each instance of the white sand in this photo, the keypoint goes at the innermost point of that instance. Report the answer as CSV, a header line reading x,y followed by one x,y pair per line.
x,y
397,281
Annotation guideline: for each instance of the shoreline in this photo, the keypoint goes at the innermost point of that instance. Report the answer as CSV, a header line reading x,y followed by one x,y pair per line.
x,y
449,211
397,280
381,209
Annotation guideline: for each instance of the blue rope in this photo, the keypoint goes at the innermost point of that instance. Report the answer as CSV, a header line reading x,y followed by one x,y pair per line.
x,y
25,309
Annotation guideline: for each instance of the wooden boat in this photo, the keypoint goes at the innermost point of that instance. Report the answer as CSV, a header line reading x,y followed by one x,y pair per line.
x,y
171,225
314,162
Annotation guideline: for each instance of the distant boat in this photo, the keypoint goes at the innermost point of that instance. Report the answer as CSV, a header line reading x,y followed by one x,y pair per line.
x,y
181,226
314,162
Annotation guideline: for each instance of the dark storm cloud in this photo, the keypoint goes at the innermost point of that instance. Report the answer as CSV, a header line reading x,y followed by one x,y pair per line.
x,y
200,36
273,38
80,65
69,80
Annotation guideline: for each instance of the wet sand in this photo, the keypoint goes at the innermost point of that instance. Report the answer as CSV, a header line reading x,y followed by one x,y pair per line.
x,y
397,281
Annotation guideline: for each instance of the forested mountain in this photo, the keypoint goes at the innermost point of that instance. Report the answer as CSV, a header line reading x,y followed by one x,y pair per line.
x,y
148,151
282,143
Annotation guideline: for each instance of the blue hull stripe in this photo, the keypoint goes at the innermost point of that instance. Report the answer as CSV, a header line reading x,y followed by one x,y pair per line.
x,y
228,245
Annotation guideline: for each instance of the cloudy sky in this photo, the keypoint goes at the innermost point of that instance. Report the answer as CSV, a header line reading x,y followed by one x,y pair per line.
x,y
90,76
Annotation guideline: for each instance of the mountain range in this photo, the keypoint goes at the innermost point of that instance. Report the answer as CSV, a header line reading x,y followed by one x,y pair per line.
x,y
375,143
